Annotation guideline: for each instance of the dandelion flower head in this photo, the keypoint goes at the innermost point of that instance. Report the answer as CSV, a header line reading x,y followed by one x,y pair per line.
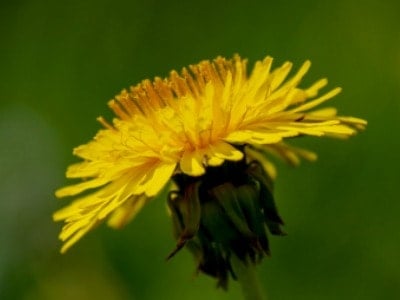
x,y
207,114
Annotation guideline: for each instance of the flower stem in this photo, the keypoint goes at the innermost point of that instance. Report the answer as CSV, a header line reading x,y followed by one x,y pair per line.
x,y
248,279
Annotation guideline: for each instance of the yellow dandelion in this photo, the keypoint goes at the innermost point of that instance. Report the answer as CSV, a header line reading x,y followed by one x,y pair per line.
x,y
209,116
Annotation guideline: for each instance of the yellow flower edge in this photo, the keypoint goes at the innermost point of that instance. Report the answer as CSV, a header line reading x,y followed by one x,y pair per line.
x,y
187,122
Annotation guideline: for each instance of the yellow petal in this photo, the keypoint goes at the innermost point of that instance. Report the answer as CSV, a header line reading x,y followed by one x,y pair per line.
x,y
215,161
82,170
280,74
226,151
160,177
352,120
317,101
328,112
312,91
80,187
260,157
191,163
258,137
124,214
77,237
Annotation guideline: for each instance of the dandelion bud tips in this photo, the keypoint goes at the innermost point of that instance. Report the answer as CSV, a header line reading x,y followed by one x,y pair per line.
x,y
210,130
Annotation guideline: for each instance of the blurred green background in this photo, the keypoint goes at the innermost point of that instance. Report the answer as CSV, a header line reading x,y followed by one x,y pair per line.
x,y
61,61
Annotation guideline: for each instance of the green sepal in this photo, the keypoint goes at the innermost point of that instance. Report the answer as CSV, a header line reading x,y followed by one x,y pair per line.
x,y
267,202
248,196
187,211
176,216
226,196
216,224
213,259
